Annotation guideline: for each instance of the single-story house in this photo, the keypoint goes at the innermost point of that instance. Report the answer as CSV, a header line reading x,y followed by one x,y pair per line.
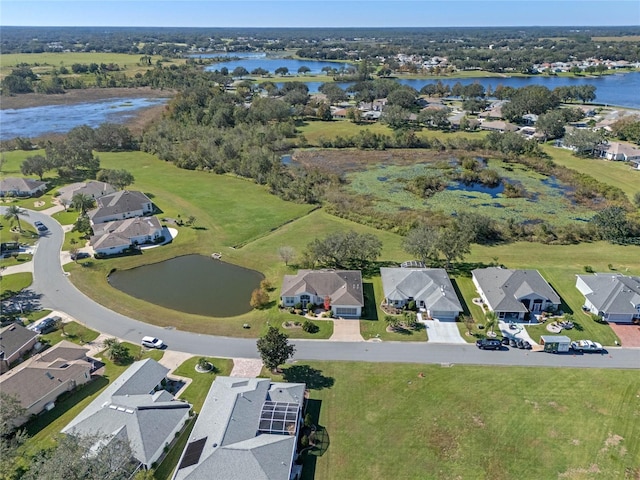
x,y
21,187
512,294
529,119
41,379
93,189
115,237
247,430
430,288
135,407
617,151
498,126
15,341
121,205
343,287
615,297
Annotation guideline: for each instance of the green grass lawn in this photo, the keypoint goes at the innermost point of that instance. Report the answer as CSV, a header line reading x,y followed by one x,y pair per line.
x,y
197,391
618,174
28,235
386,421
19,260
12,284
73,332
68,217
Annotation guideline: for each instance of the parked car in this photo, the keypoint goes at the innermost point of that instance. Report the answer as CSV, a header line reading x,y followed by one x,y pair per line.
x,y
505,341
40,226
513,343
79,255
152,342
527,345
520,344
489,344
586,346
47,325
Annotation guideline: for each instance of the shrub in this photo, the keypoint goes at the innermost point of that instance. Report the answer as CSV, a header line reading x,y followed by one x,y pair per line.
x,y
298,306
310,327
308,421
304,441
266,285
411,305
588,268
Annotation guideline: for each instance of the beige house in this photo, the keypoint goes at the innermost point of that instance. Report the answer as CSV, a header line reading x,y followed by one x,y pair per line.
x,y
40,380
15,341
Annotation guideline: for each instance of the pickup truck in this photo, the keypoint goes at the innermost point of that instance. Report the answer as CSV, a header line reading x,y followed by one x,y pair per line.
x,y
586,346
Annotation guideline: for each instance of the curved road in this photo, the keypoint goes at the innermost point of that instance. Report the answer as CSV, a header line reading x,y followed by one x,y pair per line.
x,y
58,293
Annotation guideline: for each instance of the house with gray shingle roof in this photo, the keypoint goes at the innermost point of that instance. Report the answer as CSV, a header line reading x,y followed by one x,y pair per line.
x,y
135,407
21,187
615,297
343,287
15,341
247,430
512,294
121,205
93,189
40,380
430,288
114,237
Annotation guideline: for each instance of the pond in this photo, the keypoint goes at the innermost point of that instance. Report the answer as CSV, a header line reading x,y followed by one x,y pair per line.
x,y
37,121
477,187
191,284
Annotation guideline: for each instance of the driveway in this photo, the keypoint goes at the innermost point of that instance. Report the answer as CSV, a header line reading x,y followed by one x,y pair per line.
x,y
629,334
346,331
441,332
520,332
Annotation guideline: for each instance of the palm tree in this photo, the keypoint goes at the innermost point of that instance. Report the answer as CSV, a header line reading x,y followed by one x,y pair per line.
x,y
13,213
491,321
82,202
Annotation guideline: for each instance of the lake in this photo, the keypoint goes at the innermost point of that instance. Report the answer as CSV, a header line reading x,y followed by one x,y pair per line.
x,y
251,61
37,121
191,284
617,89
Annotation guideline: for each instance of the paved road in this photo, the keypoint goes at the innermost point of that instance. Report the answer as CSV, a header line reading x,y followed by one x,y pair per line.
x,y
58,293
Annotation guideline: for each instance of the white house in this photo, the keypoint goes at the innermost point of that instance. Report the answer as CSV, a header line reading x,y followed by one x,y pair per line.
x,y
430,288
615,297
512,294
343,287
93,189
115,237
120,206
21,187
617,151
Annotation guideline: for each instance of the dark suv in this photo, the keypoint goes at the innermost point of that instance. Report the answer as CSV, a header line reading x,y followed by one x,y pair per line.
x,y
489,344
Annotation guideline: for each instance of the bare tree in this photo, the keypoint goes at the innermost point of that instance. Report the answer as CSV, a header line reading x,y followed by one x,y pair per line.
x,y
286,254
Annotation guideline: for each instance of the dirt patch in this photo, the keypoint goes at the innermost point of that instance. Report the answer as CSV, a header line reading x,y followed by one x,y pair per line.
x,y
29,100
577,472
629,334
613,441
352,160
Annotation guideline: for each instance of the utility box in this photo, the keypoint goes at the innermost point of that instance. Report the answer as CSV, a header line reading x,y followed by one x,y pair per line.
x,y
555,343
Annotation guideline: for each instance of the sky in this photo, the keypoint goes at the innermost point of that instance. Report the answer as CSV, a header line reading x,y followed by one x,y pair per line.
x,y
325,13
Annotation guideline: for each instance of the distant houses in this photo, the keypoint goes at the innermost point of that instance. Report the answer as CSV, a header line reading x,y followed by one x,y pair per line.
x,y
247,429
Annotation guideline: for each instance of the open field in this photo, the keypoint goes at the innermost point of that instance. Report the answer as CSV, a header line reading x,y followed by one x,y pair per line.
x,y
387,421
613,173
45,63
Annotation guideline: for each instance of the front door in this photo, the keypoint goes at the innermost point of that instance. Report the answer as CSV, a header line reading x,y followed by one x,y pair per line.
x,y
305,300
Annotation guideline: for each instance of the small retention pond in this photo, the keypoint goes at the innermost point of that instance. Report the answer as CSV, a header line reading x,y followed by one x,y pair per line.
x,y
191,284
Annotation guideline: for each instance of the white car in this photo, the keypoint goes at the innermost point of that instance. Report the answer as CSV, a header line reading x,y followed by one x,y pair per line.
x,y
586,346
152,342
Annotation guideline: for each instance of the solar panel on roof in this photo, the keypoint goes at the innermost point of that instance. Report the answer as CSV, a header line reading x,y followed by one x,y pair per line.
x,y
192,453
